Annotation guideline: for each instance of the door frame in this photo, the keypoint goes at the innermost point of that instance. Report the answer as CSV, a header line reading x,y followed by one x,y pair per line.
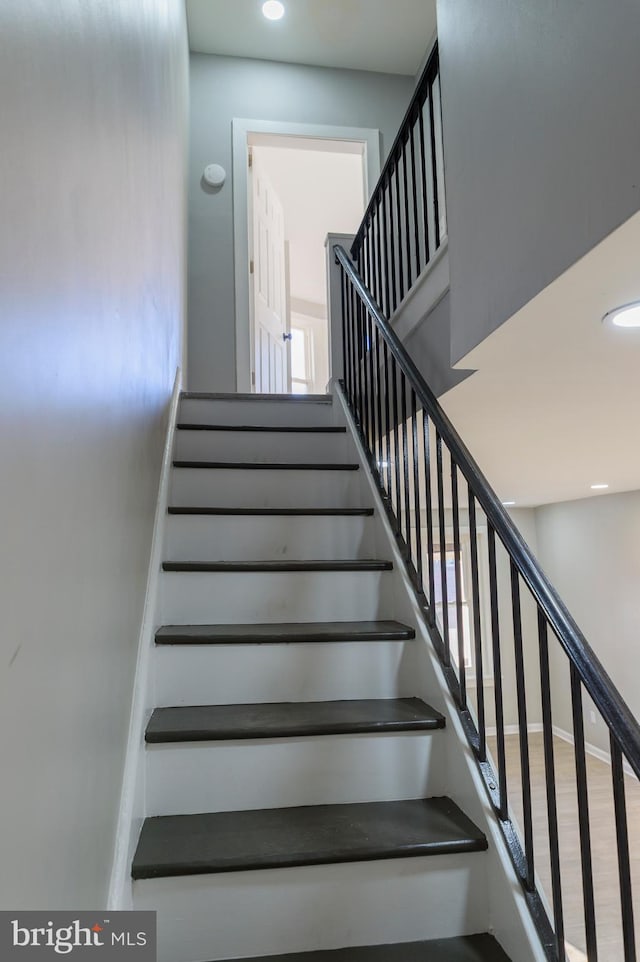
x,y
241,129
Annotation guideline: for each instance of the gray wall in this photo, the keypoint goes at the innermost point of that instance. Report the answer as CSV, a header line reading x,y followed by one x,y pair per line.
x,y
428,345
542,145
93,104
591,551
223,88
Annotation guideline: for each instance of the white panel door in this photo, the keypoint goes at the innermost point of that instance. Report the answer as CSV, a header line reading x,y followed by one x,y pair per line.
x,y
269,286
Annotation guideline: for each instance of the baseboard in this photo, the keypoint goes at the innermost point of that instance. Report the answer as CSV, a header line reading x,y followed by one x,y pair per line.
x,y
124,839
592,750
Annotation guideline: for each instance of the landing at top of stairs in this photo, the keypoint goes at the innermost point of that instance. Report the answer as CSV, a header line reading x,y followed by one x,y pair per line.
x,y
291,398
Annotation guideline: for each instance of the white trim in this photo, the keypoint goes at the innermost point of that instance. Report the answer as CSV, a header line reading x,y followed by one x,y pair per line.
x,y
241,128
135,742
592,750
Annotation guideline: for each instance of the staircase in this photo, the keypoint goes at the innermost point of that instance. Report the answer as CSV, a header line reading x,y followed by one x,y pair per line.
x,y
296,770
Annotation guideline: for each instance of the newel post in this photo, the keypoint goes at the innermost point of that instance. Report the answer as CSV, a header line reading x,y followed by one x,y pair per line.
x,y
334,304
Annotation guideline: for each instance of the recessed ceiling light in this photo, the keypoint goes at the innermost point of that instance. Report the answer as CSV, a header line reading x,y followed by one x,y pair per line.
x,y
273,10
599,487
628,315
508,504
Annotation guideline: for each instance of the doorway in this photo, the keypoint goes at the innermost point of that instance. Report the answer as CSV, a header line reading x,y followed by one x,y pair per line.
x,y
299,185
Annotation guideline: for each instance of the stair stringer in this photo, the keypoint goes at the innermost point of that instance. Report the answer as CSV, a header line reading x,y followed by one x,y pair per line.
x,y
132,809
509,919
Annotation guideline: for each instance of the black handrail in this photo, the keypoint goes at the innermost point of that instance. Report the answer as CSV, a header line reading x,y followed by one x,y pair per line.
x,y
385,392
593,675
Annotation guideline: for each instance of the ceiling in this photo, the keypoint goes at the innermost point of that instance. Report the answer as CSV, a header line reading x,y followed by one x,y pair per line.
x,y
378,35
335,204
553,405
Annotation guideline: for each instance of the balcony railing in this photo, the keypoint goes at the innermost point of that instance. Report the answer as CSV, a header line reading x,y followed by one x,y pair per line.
x,y
405,222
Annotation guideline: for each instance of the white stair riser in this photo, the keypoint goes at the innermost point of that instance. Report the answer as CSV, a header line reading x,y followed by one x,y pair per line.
x,y
271,538
193,598
238,488
322,770
258,412
230,674
256,446
245,914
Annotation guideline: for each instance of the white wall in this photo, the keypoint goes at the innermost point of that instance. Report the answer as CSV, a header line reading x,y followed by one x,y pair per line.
x,y
591,551
321,191
92,113
541,151
223,88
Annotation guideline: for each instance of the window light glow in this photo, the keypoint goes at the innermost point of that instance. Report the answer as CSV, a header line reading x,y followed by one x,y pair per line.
x,y
628,315
273,10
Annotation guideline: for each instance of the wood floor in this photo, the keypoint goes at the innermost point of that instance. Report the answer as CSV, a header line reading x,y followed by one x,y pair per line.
x,y
603,840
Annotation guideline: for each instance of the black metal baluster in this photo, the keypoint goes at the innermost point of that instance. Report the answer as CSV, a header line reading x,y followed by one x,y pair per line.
x,y
414,184
366,361
385,259
367,255
523,734
372,389
345,335
503,804
358,323
378,393
392,243
407,219
550,785
443,552
381,290
425,204
434,171
373,286
354,355
457,554
416,488
477,627
343,315
624,864
429,506
396,440
399,236
387,420
583,817
405,462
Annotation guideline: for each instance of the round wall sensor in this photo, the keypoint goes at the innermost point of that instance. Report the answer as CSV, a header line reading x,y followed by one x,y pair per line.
x,y
214,175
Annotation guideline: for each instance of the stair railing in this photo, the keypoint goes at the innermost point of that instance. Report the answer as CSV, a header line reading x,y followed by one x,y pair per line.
x,y
405,222
511,628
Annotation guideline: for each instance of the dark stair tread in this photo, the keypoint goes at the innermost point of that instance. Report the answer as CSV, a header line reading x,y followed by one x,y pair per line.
x,y
273,512
284,398
265,466
287,632
291,719
222,567
468,948
262,428
171,845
